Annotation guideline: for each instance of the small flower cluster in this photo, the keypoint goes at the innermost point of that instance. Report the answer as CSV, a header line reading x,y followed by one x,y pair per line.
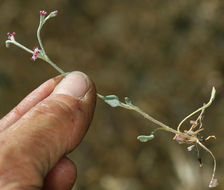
x,y
51,14
55,13
35,53
43,13
11,35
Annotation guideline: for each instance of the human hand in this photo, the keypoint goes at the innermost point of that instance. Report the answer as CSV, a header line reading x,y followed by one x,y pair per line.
x,y
37,134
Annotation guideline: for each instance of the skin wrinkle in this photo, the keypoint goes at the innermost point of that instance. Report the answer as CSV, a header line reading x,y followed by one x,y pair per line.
x,y
24,175
45,110
71,119
49,154
22,164
42,141
25,154
17,112
20,154
36,140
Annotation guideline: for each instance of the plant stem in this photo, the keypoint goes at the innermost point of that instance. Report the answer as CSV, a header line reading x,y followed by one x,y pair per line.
x,y
45,58
214,160
199,109
38,36
19,45
162,125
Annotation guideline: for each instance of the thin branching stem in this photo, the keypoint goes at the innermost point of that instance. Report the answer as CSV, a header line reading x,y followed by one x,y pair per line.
x,y
19,45
54,65
152,119
39,38
198,110
213,157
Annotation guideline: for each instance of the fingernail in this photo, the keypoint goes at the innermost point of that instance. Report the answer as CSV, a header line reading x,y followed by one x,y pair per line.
x,y
75,84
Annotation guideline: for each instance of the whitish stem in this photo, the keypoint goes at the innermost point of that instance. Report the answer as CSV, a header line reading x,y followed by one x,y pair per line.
x,y
45,58
18,45
162,125
145,115
150,118
38,36
40,55
214,160
198,110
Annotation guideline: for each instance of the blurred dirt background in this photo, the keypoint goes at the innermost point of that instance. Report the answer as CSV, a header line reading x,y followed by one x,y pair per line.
x,y
164,55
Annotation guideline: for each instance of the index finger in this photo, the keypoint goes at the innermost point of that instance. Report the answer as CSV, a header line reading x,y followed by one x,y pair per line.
x,y
29,101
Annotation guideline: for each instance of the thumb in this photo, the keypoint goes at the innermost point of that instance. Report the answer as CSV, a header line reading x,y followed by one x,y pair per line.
x,y
51,129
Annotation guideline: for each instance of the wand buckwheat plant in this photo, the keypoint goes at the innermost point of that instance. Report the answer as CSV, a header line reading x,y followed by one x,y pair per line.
x,y
190,136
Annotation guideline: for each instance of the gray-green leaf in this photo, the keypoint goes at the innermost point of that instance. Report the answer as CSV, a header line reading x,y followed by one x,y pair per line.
x,y
112,100
145,138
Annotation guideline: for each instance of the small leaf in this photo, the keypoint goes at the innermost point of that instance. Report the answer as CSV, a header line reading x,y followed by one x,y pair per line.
x,y
128,101
112,100
145,138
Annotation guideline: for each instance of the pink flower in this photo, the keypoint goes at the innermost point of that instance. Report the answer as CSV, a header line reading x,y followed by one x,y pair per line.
x,y
35,54
10,35
55,12
43,13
